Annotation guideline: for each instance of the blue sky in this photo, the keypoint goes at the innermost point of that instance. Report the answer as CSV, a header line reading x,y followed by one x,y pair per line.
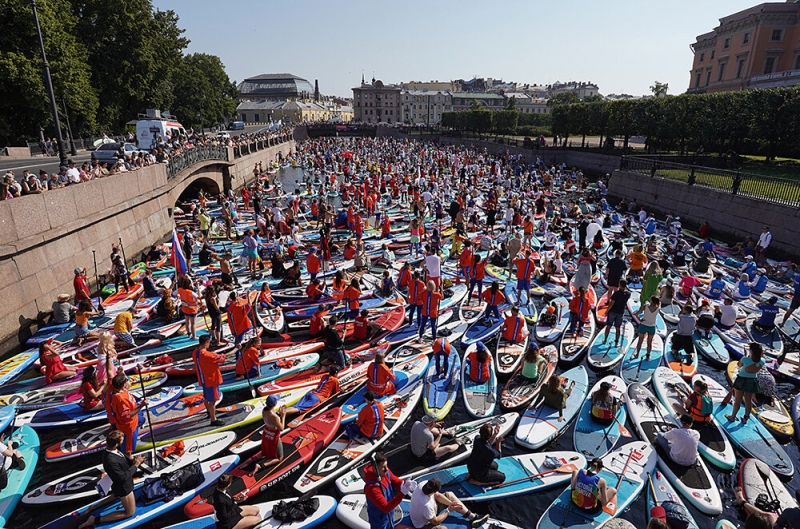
x,y
623,46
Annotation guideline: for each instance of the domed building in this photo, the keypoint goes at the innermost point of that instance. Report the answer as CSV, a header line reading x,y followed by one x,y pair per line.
x,y
276,87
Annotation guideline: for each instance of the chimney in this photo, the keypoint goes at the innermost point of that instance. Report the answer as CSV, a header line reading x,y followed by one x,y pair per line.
x,y
316,90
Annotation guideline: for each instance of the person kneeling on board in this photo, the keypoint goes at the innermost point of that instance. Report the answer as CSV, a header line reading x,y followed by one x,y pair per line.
x,y
481,464
369,423
363,329
426,440
479,364
514,329
427,502
681,443
589,491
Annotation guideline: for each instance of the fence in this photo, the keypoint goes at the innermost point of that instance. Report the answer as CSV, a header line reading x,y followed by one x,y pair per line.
x,y
243,149
187,158
81,144
782,191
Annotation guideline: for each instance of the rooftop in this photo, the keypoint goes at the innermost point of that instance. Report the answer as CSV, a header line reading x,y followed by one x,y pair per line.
x,y
276,85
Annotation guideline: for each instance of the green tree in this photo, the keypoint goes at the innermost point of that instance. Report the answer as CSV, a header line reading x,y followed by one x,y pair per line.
x,y
659,89
505,121
202,87
595,98
622,119
24,102
511,103
564,98
476,105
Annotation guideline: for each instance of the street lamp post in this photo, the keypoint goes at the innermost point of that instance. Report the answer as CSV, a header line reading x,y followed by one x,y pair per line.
x,y
72,150
62,152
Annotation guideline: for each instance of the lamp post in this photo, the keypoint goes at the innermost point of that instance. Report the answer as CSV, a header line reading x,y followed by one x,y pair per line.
x,y
72,150
62,152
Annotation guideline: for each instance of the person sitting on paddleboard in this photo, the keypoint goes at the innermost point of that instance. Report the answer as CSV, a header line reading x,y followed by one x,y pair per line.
x,y
334,346
705,319
369,422
769,311
604,405
479,364
681,443
533,363
91,390
430,508
481,464
549,316
514,328
229,514
274,424
328,386
426,439
555,395
589,491
247,359
380,377
697,404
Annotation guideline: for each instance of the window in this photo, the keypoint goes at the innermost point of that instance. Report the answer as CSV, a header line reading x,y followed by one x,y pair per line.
x,y
739,68
726,43
712,54
702,56
721,75
746,38
708,77
698,79
769,65
797,62
777,35
255,118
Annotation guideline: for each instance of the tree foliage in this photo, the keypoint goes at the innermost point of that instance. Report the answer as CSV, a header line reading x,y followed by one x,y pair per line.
x,y
109,62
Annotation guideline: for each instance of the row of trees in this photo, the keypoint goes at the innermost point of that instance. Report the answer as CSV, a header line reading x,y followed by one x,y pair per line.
x,y
108,63
506,121
750,121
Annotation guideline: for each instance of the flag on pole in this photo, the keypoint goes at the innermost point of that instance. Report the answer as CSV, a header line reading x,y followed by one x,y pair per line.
x,y
177,258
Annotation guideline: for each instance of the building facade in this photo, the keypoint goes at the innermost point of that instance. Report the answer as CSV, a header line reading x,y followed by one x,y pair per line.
x,y
581,89
276,87
376,102
424,107
490,101
288,111
755,48
526,104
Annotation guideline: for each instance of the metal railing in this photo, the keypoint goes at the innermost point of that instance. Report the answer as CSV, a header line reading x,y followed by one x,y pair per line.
x,y
243,149
188,158
81,144
782,191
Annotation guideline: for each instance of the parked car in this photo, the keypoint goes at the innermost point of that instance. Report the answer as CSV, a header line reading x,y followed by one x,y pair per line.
x,y
222,135
111,152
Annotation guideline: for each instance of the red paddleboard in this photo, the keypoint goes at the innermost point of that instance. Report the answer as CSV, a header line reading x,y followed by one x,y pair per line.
x,y
132,293
601,311
187,368
300,445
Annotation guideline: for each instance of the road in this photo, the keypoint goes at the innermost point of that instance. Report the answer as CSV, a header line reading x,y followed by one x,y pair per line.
x,y
51,164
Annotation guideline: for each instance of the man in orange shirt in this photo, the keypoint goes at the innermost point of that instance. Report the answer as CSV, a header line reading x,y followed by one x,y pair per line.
x,y
415,288
313,291
465,262
209,376
525,269
429,299
126,412
369,422
239,310
313,263
380,377
514,327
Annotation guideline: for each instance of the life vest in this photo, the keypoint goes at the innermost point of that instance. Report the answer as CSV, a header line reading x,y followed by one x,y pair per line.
x,y
478,372
405,278
466,257
513,329
376,517
315,325
602,410
312,263
122,406
478,271
238,318
188,301
696,410
715,288
586,492
430,303
524,268
442,345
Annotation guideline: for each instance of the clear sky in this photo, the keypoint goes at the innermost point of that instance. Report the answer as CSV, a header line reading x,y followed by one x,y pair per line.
x,y
622,46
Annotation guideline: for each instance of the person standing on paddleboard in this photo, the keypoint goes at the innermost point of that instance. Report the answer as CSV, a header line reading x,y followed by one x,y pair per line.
x,y
209,376
126,412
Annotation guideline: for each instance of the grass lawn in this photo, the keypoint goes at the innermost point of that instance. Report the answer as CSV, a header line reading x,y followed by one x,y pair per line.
x,y
749,186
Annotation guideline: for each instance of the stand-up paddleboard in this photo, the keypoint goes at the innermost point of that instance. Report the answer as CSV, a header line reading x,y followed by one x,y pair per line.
x,y
404,464
592,438
734,335
83,483
410,331
483,329
678,360
519,391
672,390
525,474
601,310
406,373
772,413
7,414
28,444
712,347
546,334
480,396
13,367
756,478
526,307
662,494
210,470
625,469
607,355
509,354
641,368
670,313
771,340
541,425
352,511
344,453
469,312
572,347
752,438
326,506
441,391
300,445
694,482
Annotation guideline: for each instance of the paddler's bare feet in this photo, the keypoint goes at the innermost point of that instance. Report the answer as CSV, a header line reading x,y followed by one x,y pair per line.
x,y
88,523
739,495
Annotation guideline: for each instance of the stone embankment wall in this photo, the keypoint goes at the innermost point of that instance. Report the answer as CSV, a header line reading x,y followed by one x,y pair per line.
x,y
43,238
730,216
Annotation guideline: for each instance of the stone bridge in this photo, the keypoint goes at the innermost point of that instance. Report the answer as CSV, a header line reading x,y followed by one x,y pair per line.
x,y
43,238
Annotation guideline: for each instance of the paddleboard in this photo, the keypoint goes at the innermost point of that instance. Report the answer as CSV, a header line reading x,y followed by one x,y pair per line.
x,y
592,438
663,495
545,334
641,368
441,391
480,397
28,444
756,478
607,355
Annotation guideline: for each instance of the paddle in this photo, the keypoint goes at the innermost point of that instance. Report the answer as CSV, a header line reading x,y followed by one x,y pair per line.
x,y
612,509
767,483
147,411
565,468
286,507
657,511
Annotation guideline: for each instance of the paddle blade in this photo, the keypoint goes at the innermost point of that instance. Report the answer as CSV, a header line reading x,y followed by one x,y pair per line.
x,y
611,507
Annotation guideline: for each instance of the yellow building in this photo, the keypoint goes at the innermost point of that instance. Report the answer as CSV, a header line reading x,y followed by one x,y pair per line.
x,y
265,111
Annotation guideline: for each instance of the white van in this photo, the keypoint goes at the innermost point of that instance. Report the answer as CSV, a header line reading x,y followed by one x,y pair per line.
x,y
151,128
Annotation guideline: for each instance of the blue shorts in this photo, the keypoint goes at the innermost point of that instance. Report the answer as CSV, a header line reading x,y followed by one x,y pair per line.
x,y
130,441
308,401
211,394
252,254
523,284
647,329
614,319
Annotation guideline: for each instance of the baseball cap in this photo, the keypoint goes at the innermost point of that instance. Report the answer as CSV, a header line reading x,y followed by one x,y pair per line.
x,y
429,418
63,168
272,400
79,270
772,300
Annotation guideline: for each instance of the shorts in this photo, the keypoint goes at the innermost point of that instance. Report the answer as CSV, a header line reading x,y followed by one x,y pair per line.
x,y
746,385
415,239
429,457
613,282
216,322
614,319
226,279
81,330
252,254
795,304
130,441
436,280
124,337
308,401
647,329
211,394
680,341
523,284
351,314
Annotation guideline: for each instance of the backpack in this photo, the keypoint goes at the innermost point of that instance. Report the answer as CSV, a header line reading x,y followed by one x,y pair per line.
x,y
295,511
706,405
167,487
